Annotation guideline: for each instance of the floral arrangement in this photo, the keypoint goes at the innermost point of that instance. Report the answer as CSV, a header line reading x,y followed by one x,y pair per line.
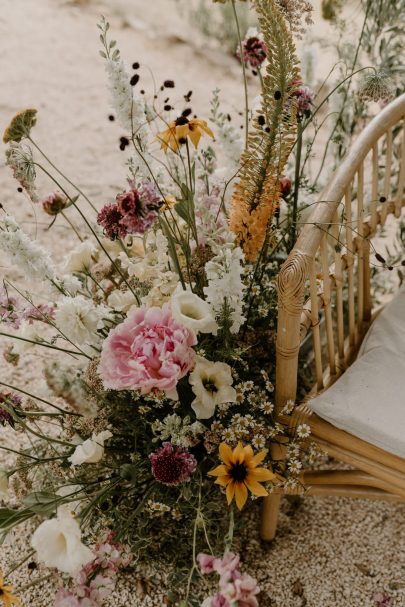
x,y
162,322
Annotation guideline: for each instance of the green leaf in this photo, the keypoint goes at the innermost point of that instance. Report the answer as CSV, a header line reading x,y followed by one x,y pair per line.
x,y
10,518
102,53
42,502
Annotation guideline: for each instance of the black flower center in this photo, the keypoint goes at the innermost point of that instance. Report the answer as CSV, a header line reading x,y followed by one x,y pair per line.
x,y
209,385
238,472
181,120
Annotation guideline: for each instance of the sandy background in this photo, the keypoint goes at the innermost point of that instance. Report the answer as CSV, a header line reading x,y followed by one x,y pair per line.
x,y
329,552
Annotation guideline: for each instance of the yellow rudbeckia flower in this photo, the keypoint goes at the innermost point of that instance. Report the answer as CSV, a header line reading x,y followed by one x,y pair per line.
x,y
179,130
239,473
7,599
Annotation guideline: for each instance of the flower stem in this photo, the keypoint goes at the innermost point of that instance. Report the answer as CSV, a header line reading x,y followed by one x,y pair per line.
x,y
235,14
294,215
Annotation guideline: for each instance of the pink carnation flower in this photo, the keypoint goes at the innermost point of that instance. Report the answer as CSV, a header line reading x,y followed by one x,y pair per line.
x,y
149,350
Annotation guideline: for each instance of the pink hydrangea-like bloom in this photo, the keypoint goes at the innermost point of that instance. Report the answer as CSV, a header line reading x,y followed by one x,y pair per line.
x,y
219,601
172,465
66,599
254,51
206,563
133,212
149,350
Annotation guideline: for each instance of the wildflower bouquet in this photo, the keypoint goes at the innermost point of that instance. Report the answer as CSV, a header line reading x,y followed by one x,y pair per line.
x,y
161,325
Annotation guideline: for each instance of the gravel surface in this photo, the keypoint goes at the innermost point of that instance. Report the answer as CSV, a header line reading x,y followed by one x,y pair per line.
x,y
328,552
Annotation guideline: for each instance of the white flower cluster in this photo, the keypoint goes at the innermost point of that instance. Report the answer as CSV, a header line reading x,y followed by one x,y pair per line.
x,y
19,159
129,109
27,254
79,319
225,286
179,431
153,268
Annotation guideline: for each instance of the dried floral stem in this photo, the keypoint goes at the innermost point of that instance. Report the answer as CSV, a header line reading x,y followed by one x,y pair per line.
x,y
235,14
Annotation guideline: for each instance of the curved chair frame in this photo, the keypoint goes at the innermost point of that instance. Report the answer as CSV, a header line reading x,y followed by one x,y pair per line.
x,y
324,286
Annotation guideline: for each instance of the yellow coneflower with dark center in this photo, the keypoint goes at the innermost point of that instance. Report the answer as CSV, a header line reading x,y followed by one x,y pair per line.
x,y
239,473
182,128
7,599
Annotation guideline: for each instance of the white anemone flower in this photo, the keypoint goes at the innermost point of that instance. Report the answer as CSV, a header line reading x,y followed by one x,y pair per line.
x,y
211,382
193,312
80,259
58,544
91,450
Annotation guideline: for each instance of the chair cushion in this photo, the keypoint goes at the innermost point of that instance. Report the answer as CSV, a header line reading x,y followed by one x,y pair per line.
x,y
368,400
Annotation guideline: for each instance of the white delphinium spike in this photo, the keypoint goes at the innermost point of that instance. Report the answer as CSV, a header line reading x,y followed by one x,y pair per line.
x,y
27,254
227,136
225,285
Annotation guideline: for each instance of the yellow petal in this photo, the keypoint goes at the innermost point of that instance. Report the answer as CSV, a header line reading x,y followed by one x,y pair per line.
x,y
248,451
204,126
223,480
225,453
261,474
259,457
237,455
218,471
255,487
230,491
241,495
195,136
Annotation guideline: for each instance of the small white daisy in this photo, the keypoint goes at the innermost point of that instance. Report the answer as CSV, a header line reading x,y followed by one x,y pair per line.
x,y
267,407
303,430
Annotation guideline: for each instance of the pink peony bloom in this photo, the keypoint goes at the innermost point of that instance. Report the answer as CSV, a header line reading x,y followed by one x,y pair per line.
x,y
149,350
172,465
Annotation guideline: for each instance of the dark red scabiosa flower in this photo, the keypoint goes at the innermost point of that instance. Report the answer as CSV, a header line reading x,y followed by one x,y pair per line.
x,y
285,185
254,51
133,212
13,402
304,96
109,218
172,465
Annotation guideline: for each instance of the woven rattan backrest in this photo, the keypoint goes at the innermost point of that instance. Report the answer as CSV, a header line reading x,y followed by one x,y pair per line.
x,y
324,286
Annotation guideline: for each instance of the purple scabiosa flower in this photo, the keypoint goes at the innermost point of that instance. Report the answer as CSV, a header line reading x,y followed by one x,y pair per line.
x,y
254,51
133,212
172,465
13,402
41,312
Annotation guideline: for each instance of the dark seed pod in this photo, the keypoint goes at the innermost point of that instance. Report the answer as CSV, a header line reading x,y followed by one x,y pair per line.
x,y
169,84
277,95
134,80
380,258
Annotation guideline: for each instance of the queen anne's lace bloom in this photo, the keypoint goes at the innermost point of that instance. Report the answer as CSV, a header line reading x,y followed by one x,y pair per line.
x,y
19,159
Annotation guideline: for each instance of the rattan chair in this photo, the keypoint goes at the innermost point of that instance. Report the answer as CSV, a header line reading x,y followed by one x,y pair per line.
x,y
325,288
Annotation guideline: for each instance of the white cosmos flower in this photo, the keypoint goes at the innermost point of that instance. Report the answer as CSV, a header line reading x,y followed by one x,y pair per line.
x,y
3,485
211,382
58,544
91,450
193,312
80,259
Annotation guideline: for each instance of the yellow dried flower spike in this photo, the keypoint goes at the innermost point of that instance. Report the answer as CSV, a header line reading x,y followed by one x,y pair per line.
x,y
20,125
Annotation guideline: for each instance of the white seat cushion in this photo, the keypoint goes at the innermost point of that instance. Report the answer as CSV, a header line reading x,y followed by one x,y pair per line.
x,y
368,400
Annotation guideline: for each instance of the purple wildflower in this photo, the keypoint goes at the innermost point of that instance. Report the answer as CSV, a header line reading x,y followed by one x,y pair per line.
x,y
54,203
172,465
13,402
41,312
254,51
382,599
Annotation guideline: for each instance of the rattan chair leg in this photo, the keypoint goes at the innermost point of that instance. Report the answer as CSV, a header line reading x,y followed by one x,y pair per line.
x,y
270,510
